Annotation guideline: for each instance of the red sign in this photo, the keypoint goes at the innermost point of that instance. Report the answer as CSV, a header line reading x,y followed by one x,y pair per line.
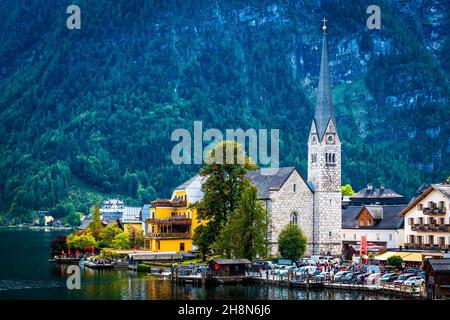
x,y
363,248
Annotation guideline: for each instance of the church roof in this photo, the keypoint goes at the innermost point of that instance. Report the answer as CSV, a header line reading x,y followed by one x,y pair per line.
x,y
265,183
324,103
391,218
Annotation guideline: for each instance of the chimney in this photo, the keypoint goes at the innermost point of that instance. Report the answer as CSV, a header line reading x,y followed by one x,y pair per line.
x,y
369,186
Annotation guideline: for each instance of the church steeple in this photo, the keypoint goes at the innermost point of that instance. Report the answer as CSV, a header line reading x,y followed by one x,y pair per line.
x,y
324,103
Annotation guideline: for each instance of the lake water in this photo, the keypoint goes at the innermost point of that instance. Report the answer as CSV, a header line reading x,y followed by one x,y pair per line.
x,y
25,273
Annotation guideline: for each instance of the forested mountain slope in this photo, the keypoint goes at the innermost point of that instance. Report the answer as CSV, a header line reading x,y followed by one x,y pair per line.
x,y
86,113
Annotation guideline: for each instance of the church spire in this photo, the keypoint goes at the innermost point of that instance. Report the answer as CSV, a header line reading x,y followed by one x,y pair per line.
x,y
324,104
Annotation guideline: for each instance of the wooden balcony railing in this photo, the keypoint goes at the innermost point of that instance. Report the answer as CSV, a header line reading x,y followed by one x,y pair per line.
x,y
434,211
171,235
430,227
426,246
169,203
178,220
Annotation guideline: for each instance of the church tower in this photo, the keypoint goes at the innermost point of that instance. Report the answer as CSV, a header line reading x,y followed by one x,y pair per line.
x,y
324,166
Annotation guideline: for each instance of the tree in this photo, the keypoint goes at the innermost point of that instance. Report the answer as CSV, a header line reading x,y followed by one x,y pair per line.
x,y
224,183
203,238
80,241
122,241
108,234
395,261
96,226
291,242
347,190
59,243
245,232
136,237
73,218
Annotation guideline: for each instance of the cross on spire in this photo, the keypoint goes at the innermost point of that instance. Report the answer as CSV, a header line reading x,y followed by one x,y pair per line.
x,y
324,28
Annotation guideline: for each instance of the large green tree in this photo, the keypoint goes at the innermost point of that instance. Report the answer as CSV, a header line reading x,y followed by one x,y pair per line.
x,y
244,235
95,227
224,174
291,242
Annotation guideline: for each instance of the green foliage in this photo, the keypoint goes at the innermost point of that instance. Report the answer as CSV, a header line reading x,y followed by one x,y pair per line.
x,y
73,219
347,190
291,242
109,254
108,234
70,136
203,238
395,261
244,234
95,227
122,241
80,241
224,184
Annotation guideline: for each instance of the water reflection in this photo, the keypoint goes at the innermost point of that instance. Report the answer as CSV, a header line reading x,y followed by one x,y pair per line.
x,y
29,275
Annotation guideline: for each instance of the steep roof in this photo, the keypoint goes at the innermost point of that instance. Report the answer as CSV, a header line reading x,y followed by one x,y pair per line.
x,y
231,261
265,183
131,215
324,104
372,193
440,265
375,211
193,188
444,189
391,219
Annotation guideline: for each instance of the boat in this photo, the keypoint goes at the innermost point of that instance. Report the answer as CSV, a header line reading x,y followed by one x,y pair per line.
x,y
65,260
94,265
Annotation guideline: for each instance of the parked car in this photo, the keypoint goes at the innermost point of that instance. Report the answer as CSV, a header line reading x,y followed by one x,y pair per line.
x,y
414,281
411,271
339,277
388,277
402,278
373,278
323,276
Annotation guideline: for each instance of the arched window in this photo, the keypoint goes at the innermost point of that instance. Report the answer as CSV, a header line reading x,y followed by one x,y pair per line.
x,y
294,218
334,158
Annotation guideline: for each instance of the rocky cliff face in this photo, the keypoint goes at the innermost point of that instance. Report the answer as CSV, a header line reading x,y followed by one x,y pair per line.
x,y
101,102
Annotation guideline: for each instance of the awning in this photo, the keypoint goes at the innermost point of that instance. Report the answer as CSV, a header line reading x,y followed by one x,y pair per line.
x,y
406,256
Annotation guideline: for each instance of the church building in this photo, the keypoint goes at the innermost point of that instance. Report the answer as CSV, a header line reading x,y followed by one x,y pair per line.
x,y
313,204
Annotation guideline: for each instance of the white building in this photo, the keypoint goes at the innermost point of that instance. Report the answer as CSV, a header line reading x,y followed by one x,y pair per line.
x,y
382,226
427,219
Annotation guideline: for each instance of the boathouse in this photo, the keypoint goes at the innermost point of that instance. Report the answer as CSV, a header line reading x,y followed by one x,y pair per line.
x,y
229,267
437,278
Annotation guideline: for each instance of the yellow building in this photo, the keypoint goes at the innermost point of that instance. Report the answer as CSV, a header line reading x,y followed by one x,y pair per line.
x,y
171,224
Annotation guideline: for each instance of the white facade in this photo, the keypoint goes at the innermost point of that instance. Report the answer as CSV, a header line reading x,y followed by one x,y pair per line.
x,y
393,238
292,203
427,219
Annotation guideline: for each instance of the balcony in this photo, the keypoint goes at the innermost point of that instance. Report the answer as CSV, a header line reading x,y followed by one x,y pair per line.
x,y
177,203
178,220
169,235
430,227
434,211
431,247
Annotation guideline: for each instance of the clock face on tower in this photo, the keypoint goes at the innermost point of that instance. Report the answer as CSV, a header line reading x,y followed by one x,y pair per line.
x,y
330,139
